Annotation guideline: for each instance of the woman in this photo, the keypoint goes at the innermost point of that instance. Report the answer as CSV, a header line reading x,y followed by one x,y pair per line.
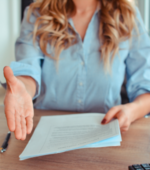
x,y
81,52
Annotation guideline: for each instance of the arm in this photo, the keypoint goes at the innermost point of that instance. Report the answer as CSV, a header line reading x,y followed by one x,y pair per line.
x,y
23,79
138,81
142,106
128,113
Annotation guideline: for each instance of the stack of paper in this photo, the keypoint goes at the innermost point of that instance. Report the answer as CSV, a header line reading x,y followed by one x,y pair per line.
x,y
56,134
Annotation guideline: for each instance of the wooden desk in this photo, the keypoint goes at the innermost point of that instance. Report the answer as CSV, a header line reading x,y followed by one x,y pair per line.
x,y
134,149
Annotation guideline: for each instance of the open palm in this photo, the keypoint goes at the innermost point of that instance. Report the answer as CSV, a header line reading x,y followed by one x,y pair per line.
x,y
18,106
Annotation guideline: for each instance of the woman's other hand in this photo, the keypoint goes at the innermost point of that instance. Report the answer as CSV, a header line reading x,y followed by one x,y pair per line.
x,y
123,113
18,106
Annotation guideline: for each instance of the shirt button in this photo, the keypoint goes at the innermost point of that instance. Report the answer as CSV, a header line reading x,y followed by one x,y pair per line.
x,y
82,63
80,83
79,101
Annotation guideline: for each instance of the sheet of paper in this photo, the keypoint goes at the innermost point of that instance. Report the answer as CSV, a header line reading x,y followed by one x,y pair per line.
x,y
114,141
55,134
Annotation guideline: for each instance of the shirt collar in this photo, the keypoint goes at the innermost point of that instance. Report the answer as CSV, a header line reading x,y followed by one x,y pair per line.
x,y
96,11
98,7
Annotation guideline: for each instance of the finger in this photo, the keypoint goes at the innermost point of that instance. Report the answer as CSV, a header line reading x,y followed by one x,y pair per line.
x,y
29,122
10,116
23,127
30,110
9,76
123,130
110,114
121,119
18,130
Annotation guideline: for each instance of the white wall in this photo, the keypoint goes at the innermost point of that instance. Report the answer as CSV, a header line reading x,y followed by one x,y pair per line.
x,y
9,31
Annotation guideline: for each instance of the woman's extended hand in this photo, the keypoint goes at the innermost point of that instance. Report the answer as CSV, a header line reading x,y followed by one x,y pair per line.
x,y
124,113
18,106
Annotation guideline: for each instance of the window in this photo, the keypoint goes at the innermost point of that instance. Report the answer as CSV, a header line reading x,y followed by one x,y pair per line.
x,y
144,7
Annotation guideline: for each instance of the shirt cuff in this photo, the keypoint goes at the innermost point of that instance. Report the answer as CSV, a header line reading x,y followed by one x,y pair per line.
x,y
138,93
22,69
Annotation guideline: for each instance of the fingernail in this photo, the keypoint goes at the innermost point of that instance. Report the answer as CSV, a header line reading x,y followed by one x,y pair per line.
x,y
103,121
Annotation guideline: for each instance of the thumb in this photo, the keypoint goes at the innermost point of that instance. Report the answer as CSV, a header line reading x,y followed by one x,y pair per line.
x,y
110,114
9,76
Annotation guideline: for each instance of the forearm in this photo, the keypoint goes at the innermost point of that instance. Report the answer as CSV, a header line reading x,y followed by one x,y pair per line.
x,y
141,106
29,83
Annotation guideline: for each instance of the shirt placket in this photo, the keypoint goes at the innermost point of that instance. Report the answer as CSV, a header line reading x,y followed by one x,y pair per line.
x,y
81,80
83,50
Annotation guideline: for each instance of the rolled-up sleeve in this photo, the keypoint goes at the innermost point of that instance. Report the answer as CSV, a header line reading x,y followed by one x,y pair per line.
x,y
138,62
28,56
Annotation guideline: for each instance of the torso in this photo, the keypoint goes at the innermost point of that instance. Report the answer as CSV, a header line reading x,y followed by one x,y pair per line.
x,y
81,84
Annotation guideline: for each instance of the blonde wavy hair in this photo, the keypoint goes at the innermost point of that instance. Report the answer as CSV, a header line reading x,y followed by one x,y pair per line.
x,y
117,20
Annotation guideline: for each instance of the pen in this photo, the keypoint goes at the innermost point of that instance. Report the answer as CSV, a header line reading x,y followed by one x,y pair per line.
x,y
5,143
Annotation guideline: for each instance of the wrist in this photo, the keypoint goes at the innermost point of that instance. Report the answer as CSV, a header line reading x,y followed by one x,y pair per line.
x,y
29,83
140,106
133,112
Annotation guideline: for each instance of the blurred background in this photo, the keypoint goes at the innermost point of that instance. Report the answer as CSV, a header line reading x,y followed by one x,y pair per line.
x,y
10,20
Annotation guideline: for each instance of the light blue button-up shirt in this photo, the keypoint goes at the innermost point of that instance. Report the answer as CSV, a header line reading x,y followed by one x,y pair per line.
x,y
81,84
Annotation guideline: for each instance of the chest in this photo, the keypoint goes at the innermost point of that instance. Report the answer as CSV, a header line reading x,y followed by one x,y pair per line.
x,y
81,23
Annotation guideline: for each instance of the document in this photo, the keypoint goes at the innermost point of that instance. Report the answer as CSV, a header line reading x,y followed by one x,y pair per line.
x,y
56,134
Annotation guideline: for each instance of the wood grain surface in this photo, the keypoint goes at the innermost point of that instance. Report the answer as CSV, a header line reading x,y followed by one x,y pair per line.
x,y
134,149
